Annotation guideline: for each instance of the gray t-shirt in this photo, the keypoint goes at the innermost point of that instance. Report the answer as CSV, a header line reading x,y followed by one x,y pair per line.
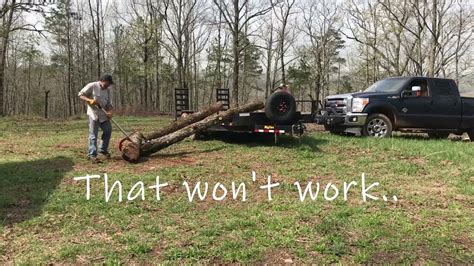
x,y
103,98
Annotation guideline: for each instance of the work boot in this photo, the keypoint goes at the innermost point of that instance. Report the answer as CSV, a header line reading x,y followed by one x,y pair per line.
x,y
94,159
106,154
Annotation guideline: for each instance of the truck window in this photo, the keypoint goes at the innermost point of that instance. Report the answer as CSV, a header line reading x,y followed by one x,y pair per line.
x,y
425,92
387,85
443,87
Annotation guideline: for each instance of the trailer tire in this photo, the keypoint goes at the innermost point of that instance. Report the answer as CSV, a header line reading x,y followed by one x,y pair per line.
x,y
280,107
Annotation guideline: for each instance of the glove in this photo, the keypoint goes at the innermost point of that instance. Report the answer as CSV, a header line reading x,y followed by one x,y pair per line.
x,y
109,115
93,102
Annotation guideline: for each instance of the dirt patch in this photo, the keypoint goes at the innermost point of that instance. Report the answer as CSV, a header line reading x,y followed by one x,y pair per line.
x,y
465,242
171,188
385,257
314,128
167,162
117,164
279,256
157,251
67,146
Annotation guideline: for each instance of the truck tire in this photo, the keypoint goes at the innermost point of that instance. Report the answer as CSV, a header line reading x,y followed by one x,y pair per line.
x,y
438,135
280,107
378,125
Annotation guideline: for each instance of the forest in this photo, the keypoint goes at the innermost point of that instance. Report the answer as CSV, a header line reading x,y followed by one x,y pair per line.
x,y
50,49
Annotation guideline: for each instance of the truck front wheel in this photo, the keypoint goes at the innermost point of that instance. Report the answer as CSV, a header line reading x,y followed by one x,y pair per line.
x,y
377,125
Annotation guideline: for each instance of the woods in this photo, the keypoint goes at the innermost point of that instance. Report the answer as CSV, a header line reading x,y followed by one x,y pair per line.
x,y
50,50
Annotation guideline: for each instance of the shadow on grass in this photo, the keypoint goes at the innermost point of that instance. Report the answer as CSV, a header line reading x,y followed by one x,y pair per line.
x,y
259,139
409,136
26,186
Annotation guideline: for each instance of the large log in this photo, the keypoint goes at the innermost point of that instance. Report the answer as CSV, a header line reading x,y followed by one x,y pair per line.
x,y
184,121
132,153
131,147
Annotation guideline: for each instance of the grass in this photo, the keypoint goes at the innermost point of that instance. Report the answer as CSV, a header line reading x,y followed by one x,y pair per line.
x,y
46,218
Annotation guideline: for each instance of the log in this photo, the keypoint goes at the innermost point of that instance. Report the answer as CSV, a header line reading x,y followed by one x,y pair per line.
x,y
184,121
132,153
131,147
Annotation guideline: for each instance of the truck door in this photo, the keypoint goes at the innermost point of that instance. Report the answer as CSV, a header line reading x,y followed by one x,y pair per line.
x,y
415,105
446,104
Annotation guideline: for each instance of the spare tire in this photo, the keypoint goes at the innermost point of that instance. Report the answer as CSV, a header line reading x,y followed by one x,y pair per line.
x,y
280,107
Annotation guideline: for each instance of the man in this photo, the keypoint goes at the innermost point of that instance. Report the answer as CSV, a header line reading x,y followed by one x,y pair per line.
x,y
98,94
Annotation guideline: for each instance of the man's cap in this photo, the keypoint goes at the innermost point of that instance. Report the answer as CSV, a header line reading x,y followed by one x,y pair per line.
x,y
107,77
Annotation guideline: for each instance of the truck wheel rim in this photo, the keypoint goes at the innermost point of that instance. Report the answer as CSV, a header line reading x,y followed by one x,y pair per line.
x,y
377,128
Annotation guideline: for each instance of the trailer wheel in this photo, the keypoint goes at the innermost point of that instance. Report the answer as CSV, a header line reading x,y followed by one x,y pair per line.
x,y
280,107
378,125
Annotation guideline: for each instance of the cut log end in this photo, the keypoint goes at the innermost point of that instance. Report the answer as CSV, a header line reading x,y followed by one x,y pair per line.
x,y
131,148
131,152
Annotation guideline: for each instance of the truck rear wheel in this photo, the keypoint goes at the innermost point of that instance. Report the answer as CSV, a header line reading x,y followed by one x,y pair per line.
x,y
378,125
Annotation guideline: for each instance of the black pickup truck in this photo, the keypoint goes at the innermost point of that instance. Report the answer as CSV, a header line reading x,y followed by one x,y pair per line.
x,y
408,104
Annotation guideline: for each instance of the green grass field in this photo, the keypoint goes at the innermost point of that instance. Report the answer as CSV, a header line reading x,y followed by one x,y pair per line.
x,y
47,219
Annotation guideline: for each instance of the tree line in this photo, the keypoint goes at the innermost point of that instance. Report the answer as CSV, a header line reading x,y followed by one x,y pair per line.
x,y
50,49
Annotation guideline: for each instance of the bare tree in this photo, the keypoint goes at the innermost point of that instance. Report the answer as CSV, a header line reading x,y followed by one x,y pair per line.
x,y
282,13
321,24
185,36
10,14
97,17
234,14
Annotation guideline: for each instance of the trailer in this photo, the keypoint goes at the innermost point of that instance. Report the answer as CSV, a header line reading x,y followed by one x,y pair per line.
x,y
282,115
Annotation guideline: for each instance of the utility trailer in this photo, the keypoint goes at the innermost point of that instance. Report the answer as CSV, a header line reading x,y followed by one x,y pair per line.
x,y
282,115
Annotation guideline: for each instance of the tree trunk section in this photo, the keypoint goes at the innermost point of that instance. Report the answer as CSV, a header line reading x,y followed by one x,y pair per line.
x,y
133,151
184,121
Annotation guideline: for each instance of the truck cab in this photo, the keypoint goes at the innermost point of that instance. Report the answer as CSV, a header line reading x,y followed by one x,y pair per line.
x,y
409,104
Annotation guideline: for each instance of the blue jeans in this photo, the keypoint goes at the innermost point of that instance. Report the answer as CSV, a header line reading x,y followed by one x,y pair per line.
x,y
94,131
